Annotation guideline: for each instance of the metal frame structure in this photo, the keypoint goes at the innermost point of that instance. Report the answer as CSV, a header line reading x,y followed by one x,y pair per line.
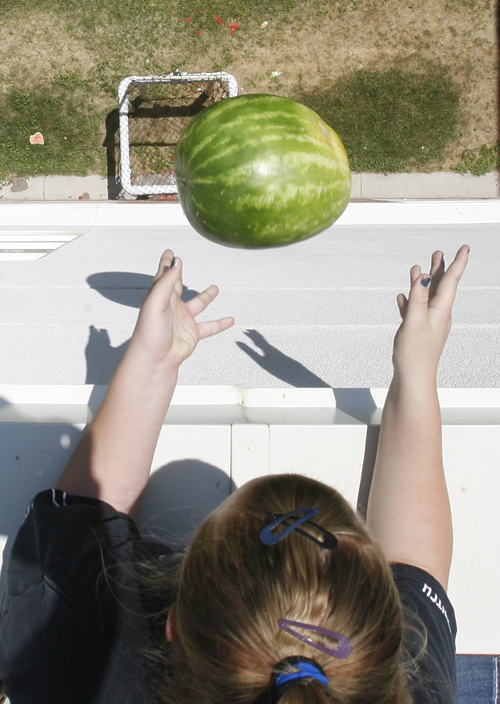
x,y
125,108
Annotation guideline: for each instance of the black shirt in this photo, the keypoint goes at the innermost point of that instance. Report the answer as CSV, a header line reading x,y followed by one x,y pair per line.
x,y
430,616
70,632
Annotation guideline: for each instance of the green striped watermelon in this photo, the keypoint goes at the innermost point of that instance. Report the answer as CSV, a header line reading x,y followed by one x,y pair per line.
x,y
261,171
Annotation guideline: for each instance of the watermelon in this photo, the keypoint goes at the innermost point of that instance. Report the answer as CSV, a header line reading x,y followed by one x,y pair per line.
x,y
261,171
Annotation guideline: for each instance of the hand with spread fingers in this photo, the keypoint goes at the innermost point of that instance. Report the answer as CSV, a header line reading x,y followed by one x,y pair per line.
x,y
426,315
167,329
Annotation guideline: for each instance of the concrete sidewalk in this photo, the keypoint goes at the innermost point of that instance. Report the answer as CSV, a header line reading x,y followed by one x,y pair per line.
x,y
365,186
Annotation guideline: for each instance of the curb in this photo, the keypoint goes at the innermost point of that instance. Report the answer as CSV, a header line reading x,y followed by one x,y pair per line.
x,y
443,184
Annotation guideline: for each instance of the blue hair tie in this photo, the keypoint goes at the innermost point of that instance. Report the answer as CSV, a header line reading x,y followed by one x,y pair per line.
x,y
306,670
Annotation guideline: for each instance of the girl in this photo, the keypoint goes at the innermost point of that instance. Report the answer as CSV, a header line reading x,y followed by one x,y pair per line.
x,y
285,594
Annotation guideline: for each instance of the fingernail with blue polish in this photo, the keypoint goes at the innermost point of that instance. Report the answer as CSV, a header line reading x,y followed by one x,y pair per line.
x,y
426,282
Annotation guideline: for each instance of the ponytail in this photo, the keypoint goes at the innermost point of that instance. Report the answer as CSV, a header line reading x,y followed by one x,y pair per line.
x,y
308,694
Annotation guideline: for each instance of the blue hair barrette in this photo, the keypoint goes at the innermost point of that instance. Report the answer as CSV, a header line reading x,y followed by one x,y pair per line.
x,y
267,536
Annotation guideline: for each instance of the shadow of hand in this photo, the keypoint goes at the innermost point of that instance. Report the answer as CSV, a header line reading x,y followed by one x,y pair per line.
x,y
279,364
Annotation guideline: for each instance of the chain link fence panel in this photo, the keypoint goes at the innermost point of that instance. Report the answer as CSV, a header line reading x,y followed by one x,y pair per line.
x,y
153,111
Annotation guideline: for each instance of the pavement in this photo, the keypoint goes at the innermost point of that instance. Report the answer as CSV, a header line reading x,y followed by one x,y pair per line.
x,y
417,185
319,313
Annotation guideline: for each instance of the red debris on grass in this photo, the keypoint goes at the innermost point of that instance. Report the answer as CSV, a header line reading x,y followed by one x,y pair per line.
x,y
264,25
218,19
198,31
37,138
188,19
234,27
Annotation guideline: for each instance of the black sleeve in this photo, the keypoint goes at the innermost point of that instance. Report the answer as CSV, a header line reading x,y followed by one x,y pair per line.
x,y
72,622
430,635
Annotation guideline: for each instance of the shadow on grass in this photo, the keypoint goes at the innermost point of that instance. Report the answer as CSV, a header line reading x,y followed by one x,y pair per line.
x,y
390,121
112,145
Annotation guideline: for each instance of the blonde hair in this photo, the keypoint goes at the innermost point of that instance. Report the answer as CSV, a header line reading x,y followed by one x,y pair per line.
x,y
233,589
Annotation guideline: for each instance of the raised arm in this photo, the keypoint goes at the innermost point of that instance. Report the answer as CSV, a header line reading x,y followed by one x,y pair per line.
x,y
113,460
408,506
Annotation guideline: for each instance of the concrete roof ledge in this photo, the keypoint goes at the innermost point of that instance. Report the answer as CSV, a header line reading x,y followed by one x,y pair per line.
x,y
36,214
84,394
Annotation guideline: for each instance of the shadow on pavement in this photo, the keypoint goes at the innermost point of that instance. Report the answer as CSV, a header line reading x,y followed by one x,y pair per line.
x,y
296,374
127,289
280,365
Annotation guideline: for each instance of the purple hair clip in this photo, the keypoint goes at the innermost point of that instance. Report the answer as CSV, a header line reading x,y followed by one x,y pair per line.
x,y
267,536
341,652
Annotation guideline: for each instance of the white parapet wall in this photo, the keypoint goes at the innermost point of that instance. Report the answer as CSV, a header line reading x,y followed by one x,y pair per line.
x,y
84,214
216,438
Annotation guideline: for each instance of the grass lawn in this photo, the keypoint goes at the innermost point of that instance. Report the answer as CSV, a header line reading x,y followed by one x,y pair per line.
x,y
408,84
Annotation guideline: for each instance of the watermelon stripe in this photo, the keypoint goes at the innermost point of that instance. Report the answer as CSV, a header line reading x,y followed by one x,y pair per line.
x,y
319,165
253,136
253,174
301,162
